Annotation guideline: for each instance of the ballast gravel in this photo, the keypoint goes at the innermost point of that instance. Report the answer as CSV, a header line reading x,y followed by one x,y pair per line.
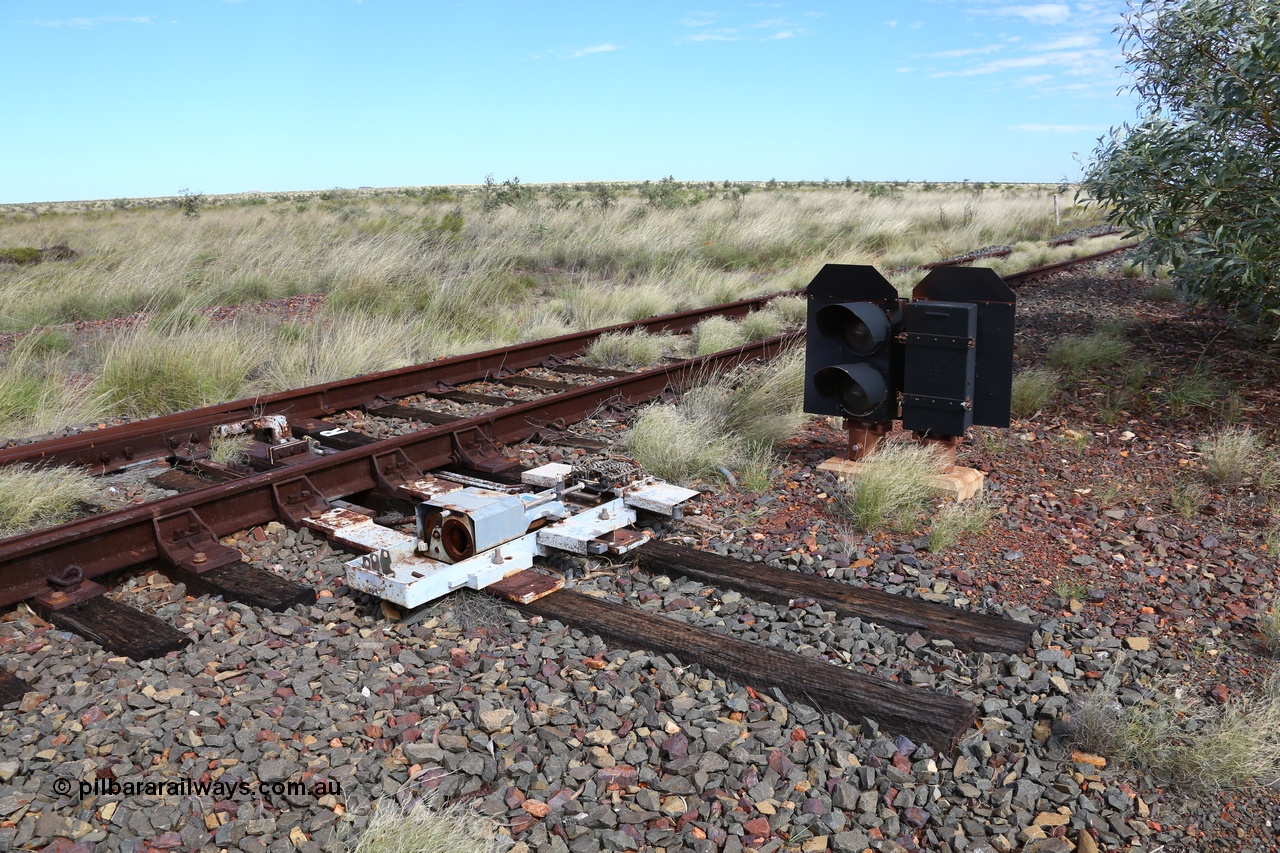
x,y
306,719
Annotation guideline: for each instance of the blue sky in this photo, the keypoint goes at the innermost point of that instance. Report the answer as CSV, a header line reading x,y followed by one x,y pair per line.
x,y
126,98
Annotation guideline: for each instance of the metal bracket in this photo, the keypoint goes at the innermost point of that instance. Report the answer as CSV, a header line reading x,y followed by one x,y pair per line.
x,y
481,453
392,471
297,499
70,587
185,541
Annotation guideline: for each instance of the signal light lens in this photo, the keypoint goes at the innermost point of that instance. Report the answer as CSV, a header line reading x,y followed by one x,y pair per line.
x,y
863,326
860,388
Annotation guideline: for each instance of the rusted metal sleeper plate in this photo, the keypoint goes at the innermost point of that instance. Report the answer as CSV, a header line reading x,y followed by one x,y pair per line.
x,y
116,540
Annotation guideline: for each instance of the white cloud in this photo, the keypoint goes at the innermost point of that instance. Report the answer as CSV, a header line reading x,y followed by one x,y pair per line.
x,y
1069,43
597,48
891,24
715,35
966,51
1041,13
1058,128
1075,62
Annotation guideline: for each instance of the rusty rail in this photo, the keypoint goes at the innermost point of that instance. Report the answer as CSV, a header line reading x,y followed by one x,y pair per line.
x,y
117,447
111,541
115,540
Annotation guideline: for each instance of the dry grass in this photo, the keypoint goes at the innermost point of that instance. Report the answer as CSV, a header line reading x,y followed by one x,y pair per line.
x,y
1234,455
716,334
460,277
40,392
424,828
153,371
1183,742
32,498
633,349
1078,353
955,519
1032,390
893,487
730,422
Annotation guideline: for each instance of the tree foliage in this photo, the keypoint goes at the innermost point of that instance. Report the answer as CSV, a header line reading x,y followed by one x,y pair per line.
x,y
1198,175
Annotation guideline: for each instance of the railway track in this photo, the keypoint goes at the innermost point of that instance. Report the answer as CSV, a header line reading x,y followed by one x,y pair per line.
x,y
308,462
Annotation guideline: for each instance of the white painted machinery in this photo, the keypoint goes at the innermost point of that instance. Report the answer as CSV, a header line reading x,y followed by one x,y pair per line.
x,y
474,533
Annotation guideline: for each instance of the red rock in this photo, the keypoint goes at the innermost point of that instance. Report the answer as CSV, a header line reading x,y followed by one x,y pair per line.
x,y
1220,693
757,826
621,776
537,808
92,715
676,746
168,841
780,764
521,823
916,816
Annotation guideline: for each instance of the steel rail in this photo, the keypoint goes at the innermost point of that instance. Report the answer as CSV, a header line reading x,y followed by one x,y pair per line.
x,y
116,540
1022,277
121,446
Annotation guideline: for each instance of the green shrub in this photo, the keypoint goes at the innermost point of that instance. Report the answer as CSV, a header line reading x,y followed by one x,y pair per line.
x,y
20,255
31,498
1032,390
892,488
1078,353
627,349
716,334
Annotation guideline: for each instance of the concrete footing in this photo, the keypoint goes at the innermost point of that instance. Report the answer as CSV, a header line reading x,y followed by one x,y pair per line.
x,y
959,483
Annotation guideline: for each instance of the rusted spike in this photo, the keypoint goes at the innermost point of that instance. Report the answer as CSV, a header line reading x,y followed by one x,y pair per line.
x,y
68,588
